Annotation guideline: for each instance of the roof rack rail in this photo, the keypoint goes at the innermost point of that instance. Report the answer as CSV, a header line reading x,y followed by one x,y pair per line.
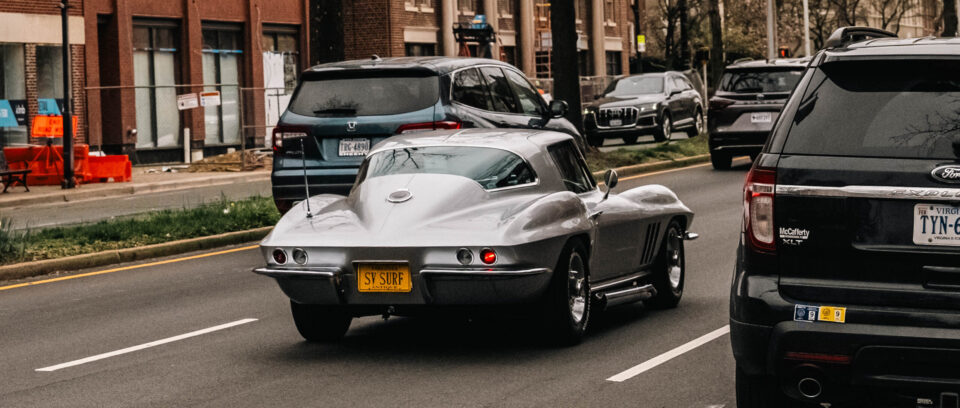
x,y
739,60
845,36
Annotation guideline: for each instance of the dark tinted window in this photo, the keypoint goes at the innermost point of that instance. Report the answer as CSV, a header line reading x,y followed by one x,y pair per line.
x,y
469,89
531,103
635,86
500,93
903,109
573,171
492,168
365,96
758,81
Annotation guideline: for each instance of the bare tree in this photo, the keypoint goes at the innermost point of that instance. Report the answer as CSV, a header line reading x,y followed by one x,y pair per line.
x,y
891,12
846,11
566,73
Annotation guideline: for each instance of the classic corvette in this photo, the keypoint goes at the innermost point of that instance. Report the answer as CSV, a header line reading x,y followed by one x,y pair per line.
x,y
477,218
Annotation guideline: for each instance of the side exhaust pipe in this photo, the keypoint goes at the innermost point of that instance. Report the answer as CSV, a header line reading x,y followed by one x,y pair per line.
x,y
810,387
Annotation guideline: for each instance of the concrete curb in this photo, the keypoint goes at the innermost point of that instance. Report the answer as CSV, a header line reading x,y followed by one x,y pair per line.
x,y
635,169
130,189
76,262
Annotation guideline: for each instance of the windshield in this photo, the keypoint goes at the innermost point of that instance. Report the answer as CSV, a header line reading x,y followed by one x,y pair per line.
x,y
898,109
492,168
637,85
365,96
757,81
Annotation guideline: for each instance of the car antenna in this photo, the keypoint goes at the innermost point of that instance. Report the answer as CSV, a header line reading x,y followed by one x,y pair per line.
x,y
306,183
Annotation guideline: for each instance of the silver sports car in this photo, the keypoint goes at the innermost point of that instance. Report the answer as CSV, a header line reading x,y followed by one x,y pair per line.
x,y
477,218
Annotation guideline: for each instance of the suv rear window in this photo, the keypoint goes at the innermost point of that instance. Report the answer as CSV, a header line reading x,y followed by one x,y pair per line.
x,y
492,168
760,81
895,109
373,96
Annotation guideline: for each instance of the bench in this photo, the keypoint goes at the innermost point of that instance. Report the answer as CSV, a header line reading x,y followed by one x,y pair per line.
x,y
10,177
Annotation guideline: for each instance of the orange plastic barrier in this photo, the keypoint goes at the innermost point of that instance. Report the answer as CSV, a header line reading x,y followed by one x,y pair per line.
x,y
105,168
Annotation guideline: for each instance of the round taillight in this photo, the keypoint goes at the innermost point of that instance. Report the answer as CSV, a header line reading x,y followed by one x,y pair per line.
x,y
488,256
464,256
279,256
299,256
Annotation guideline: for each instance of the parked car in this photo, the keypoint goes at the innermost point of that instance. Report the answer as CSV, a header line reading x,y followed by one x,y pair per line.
x,y
846,289
648,104
747,102
452,219
339,110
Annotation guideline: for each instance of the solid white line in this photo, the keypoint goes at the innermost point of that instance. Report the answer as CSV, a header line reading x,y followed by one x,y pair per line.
x,y
663,358
145,345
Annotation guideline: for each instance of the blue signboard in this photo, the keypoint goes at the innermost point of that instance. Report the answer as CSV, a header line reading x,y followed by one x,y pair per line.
x,y
49,106
13,112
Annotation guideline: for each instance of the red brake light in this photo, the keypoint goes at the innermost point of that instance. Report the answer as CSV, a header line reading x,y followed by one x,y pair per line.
x,y
415,127
817,357
758,195
279,256
717,103
488,256
281,133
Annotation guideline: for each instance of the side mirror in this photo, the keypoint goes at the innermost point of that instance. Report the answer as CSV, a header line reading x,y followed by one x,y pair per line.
x,y
610,178
558,109
675,91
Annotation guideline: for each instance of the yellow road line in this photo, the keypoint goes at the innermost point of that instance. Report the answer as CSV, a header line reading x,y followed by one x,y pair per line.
x,y
676,169
127,268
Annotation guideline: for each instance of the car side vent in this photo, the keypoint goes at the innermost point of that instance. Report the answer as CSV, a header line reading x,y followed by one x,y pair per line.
x,y
650,243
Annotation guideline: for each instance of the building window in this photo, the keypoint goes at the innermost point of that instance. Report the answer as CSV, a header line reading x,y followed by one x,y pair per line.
x,y
13,95
507,8
467,7
419,5
155,74
420,49
221,72
285,46
609,12
583,61
581,10
614,63
509,55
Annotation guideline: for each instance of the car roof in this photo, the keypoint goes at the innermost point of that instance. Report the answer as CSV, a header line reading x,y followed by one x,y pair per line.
x,y
438,65
798,63
524,142
897,47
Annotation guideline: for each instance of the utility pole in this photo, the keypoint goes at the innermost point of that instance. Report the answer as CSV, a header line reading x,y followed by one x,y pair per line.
x,y
69,180
771,32
806,28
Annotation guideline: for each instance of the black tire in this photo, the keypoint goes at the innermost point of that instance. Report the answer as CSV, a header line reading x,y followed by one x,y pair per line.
x,y
630,139
754,391
595,141
320,323
720,161
567,304
669,269
665,130
697,125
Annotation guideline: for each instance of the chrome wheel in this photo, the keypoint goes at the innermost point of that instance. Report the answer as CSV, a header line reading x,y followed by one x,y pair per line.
x,y
577,290
674,260
667,128
698,123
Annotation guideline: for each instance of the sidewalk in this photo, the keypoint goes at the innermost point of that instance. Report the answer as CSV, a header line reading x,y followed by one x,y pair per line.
x,y
143,181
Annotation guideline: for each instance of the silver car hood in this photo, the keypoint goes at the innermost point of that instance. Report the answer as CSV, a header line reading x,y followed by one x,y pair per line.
x,y
442,210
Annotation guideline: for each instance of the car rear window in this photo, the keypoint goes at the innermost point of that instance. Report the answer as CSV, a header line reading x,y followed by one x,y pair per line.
x,y
370,96
895,109
760,81
492,168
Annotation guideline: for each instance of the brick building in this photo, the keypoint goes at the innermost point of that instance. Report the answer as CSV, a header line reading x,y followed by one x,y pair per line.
x,y
425,27
31,66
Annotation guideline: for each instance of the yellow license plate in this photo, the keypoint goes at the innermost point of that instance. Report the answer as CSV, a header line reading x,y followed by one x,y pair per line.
x,y
384,277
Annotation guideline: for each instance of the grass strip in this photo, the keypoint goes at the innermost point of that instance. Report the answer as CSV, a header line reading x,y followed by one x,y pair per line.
x,y
153,228
599,161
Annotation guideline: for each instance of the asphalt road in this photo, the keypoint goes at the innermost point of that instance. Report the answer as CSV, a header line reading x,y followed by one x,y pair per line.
x,y
87,211
415,362
643,142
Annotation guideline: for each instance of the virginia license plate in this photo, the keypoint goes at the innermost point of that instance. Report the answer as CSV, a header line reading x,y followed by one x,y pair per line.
x,y
384,277
354,147
616,122
761,117
936,224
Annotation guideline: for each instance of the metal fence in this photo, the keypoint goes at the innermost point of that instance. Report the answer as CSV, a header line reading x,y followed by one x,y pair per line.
x,y
590,86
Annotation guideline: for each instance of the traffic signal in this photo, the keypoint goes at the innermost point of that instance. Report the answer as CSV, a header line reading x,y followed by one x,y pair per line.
x,y
784,52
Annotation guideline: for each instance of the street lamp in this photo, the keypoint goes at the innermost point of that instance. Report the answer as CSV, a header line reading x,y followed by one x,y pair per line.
x,y
68,176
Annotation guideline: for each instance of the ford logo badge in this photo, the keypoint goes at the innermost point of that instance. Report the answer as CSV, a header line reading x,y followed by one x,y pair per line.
x,y
947,174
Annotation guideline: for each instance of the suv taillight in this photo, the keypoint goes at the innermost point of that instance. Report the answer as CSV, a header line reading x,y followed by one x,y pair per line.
x,y
282,133
718,103
758,195
419,127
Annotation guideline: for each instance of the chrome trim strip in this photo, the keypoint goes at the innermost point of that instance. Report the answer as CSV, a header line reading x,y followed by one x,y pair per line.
x,y
618,282
484,272
310,272
879,192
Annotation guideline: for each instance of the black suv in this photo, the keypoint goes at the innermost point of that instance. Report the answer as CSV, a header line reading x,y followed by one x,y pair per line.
x,y
644,104
747,102
339,110
847,283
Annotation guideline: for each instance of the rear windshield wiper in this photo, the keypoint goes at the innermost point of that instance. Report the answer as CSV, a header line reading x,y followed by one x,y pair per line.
x,y
336,111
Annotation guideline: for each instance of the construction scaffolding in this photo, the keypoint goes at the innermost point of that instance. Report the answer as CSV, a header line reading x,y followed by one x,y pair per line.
x,y
543,40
